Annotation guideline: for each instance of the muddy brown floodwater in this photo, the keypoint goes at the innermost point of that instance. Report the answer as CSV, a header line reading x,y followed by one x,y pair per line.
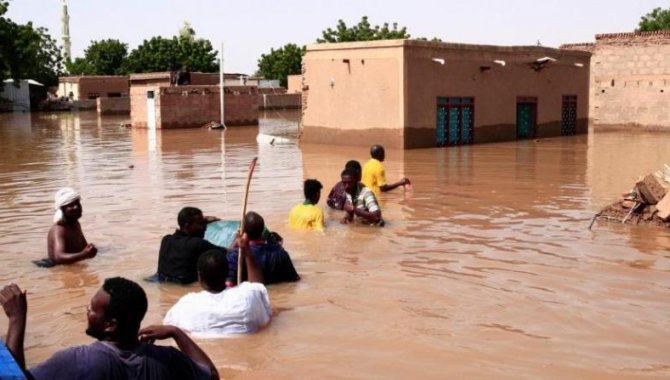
x,y
486,269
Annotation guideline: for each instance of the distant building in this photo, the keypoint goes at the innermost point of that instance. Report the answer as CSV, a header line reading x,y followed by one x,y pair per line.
x,y
414,94
630,73
156,102
17,98
93,86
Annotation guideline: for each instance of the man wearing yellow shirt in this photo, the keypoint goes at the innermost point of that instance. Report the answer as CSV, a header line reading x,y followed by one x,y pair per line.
x,y
374,175
308,216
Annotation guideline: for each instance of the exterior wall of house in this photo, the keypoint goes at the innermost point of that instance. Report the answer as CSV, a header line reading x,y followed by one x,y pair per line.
x,y
386,92
91,87
354,93
294,84
470,71
630,78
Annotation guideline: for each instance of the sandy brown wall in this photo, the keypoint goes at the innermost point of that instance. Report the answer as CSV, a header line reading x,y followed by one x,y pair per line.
x,y
294,84
630,79
138,102
355,94
469,71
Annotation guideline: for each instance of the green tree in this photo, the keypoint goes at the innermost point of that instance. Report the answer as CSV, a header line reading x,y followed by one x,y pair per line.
x,y
170,54
657,19
79,66
281,63
27,51
106,57
362,31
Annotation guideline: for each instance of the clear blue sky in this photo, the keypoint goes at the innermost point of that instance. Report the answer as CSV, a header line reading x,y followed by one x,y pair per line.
x,y
251,27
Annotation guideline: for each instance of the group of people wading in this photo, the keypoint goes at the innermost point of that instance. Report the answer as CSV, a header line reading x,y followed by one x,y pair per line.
x,y
124,350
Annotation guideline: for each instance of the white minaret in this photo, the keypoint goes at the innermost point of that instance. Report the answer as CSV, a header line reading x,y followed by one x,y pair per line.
x,y
65,31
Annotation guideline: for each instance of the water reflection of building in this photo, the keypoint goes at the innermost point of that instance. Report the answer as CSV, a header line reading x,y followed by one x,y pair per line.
x,y
412,94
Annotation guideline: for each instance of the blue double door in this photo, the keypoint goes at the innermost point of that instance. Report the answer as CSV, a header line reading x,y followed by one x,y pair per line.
x,y
454,121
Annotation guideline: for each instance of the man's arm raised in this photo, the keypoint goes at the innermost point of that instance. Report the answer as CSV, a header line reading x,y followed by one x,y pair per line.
x,y
391,186
14,303
186,345
254,273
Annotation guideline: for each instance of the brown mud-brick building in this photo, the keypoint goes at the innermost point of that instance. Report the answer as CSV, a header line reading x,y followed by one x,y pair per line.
x,y
415,94
630,78
90,87
156,103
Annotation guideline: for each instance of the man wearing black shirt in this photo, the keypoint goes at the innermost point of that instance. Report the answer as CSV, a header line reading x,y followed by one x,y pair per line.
x,y
179,252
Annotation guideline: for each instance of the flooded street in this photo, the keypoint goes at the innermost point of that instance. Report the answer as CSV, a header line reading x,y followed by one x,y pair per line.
x,y
485,270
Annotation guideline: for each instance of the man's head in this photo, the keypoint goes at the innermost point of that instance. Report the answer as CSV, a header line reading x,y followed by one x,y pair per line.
x,y
116,310
312,189
377,152
355,166
192,222
67,203
213,270
350,179
254,225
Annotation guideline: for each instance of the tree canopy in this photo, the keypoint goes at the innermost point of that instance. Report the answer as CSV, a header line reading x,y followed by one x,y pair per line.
x,y
106,57
27,52
657,19
170,54
363,31
281,63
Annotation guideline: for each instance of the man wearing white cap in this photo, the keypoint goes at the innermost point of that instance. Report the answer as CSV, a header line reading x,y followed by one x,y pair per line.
x,y
66,242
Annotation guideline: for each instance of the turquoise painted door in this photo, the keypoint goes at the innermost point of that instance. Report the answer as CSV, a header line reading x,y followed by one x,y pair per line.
x,y
525,120
441,126
454,121
453,134
466,125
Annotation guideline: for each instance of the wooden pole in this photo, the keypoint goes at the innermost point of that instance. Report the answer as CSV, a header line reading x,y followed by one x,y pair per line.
x,y
240,265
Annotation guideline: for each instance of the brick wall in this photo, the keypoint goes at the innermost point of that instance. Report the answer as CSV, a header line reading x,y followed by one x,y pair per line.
x,y
113,105
103,86
194,106
630,78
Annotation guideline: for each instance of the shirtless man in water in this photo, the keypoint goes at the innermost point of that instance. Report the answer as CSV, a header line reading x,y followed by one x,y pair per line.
x,y
66,242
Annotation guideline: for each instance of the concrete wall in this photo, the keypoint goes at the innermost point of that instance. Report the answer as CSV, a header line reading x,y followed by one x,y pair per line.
x,y
630,79
113,105
354,93
279,101
386,91
469,71
294,84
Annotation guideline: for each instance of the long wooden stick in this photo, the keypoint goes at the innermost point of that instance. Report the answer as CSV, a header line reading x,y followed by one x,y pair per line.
x,y
240,265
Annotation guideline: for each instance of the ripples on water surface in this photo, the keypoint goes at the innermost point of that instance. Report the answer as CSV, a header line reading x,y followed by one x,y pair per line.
x,y
485,270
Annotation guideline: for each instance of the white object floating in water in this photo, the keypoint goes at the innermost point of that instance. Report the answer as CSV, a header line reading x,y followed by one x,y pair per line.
x,y
262,138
